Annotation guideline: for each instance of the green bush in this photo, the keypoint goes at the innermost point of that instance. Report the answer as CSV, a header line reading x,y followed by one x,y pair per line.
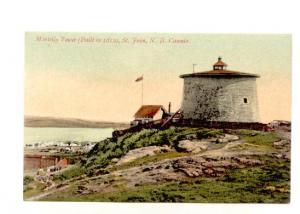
x,y
69,173
27,180
207,133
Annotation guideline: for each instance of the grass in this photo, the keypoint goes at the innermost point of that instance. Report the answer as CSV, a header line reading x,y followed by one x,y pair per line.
x,y
27,180
34,188
269,183
72,172
259,138
249,185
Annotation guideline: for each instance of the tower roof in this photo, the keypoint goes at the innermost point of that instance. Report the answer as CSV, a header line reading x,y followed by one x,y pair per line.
x,y
219,70
220,62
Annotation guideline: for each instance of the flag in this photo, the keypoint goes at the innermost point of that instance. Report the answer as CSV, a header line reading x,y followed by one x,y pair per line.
x,y
139,78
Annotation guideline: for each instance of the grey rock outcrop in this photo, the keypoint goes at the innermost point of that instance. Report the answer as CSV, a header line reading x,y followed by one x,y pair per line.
x,y
195,146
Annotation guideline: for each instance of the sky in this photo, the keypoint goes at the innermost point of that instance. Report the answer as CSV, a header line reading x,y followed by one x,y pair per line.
x,y
92,75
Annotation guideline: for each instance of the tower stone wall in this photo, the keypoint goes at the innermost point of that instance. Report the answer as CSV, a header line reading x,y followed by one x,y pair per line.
x,y
230,99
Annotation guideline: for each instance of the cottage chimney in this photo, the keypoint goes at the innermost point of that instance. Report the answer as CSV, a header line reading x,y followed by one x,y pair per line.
x,y
169,109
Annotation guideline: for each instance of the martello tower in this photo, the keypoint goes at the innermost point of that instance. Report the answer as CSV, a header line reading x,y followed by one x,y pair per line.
x,y
220,95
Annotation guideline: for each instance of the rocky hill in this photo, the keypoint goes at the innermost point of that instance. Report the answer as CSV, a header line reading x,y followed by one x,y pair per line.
x,y
179,165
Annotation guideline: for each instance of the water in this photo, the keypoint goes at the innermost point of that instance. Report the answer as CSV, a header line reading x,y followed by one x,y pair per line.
x,y
51,135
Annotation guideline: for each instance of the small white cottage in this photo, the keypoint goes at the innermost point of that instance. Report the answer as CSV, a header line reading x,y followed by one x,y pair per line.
x,y
148,113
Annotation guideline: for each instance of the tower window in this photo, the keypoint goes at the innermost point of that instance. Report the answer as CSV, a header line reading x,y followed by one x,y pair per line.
x,y
245,100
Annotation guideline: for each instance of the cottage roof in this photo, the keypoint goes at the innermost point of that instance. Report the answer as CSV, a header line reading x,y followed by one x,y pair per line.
x,y
219,70
147,111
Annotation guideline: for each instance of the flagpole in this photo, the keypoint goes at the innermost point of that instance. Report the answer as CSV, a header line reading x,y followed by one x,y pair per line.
x,y
141,78
142,90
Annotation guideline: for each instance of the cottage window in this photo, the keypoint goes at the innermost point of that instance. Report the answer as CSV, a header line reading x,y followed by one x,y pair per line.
x,y
245,100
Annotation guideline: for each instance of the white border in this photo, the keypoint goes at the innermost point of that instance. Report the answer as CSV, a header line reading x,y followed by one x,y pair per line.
x,y
211,16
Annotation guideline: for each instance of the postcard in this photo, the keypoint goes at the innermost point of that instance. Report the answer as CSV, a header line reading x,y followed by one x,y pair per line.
x,y
157,117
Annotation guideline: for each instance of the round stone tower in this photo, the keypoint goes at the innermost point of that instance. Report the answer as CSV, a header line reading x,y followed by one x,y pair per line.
x,y
220,95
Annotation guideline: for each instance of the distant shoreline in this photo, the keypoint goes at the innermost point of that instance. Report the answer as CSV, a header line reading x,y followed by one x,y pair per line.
x,y
52,122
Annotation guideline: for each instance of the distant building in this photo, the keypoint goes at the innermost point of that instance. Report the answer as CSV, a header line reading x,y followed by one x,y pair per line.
x,y
63,163
39,161
220,95
32,162
148,113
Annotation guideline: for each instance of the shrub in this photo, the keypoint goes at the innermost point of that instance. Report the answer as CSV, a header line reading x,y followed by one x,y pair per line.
x,y
27,180
69,173
207,133
136,199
